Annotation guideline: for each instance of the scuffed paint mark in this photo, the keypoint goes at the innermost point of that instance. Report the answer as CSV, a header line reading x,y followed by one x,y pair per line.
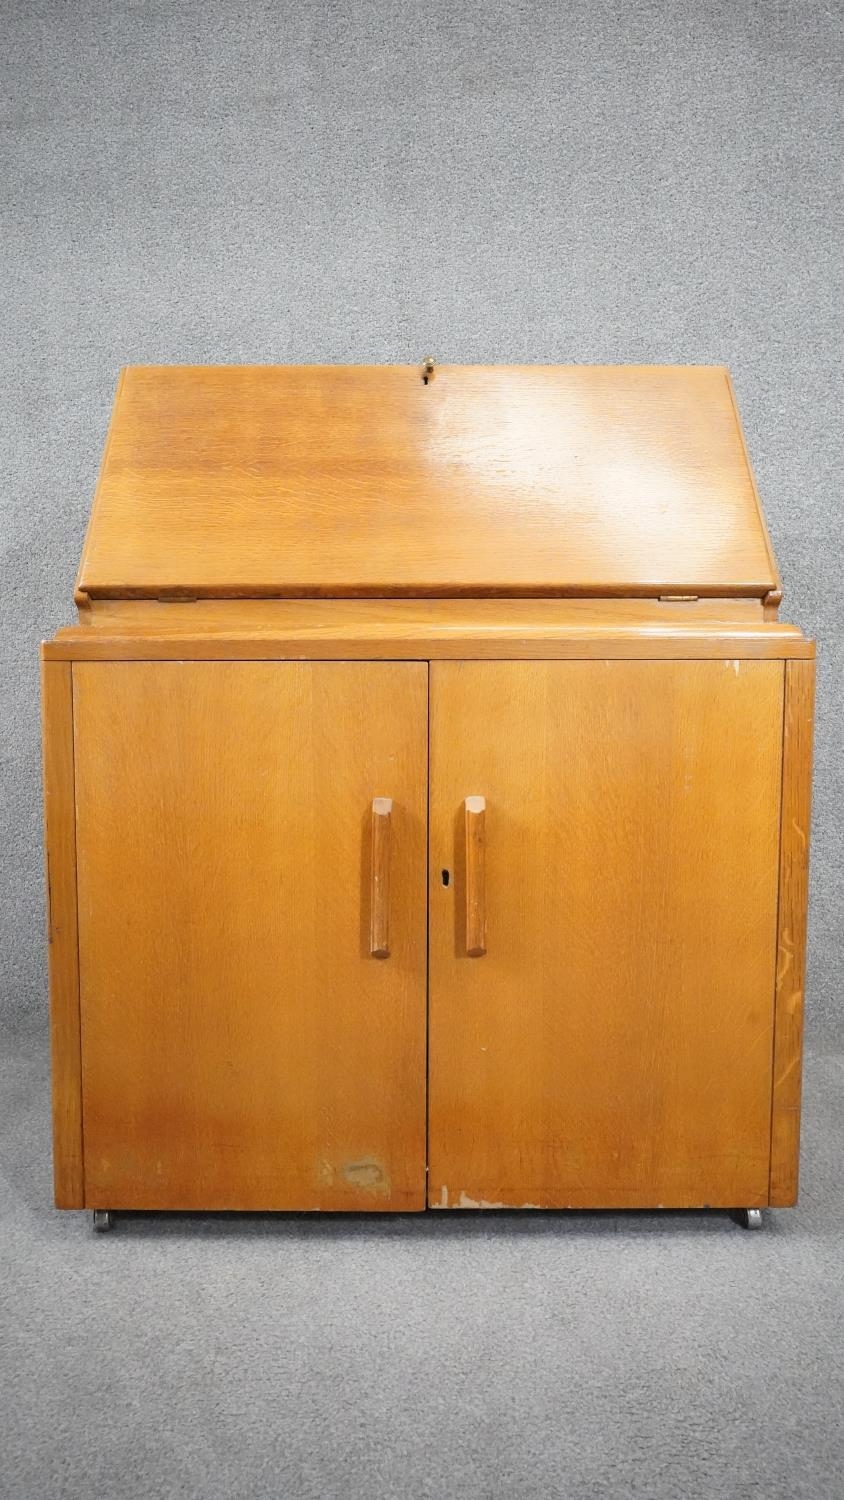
x,y
795,1002
464,1201
736,666
780,1080
785,957
367,1174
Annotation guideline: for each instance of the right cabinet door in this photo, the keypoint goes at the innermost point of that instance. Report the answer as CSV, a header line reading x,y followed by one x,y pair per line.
x,y
612,1043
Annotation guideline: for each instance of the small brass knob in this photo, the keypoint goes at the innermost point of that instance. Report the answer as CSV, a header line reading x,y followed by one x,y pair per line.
x,y
427,369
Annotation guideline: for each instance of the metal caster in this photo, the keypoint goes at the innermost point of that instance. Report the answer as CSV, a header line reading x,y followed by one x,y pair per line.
x,y
102,1220
753,1218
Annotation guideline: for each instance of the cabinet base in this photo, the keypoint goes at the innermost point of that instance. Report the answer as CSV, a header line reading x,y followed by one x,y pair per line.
x,y
102,1219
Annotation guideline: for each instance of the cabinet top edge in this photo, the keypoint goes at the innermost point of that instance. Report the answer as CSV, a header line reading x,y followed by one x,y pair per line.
x,y
425,628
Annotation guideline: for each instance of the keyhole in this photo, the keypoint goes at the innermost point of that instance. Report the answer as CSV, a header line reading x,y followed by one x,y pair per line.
x,y
446,877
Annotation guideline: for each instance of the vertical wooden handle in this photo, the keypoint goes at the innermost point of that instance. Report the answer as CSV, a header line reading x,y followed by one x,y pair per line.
x,y
475,876
379,907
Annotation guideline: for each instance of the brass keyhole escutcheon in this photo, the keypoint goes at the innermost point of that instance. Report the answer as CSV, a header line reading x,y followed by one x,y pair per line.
x,y
427,370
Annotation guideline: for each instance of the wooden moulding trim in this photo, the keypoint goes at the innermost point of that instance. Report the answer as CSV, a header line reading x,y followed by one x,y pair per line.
x,y
469,618
570,645
771,604
62,933
283,617
791,931
164,593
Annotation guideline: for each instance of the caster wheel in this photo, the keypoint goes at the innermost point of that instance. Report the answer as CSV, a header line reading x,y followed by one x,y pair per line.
x,y
753,1218
103,1220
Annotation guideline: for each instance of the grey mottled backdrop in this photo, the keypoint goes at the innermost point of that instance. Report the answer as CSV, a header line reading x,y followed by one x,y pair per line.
x,y
586,180
583,181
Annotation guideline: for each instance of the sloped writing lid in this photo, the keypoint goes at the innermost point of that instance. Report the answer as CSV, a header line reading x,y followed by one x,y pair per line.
x,y
330,480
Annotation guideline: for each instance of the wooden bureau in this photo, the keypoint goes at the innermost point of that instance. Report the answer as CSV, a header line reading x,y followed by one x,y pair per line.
x,y
427,795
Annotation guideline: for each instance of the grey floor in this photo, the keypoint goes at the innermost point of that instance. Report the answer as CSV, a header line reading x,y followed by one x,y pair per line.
x,y
638,1355
375,180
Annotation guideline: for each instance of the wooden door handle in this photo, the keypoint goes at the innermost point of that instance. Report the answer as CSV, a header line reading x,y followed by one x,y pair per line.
x,y
379,905
475,876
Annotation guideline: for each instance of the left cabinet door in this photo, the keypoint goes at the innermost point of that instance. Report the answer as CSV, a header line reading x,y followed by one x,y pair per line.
x,y
242,1047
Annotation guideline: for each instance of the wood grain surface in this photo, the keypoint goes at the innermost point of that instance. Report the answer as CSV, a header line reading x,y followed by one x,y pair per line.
x,y
332,480
60,849
791,964
431,629
242,1049
613,1047
278,616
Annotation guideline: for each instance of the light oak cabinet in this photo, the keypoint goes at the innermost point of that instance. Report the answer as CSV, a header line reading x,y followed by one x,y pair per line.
x,y
427,799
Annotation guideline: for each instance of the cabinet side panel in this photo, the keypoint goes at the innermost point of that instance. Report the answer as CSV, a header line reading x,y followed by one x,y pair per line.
x,y
791,932
60,841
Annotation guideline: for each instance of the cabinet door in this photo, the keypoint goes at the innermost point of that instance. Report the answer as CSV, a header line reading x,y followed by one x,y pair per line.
x,y
241,1045
612,1045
